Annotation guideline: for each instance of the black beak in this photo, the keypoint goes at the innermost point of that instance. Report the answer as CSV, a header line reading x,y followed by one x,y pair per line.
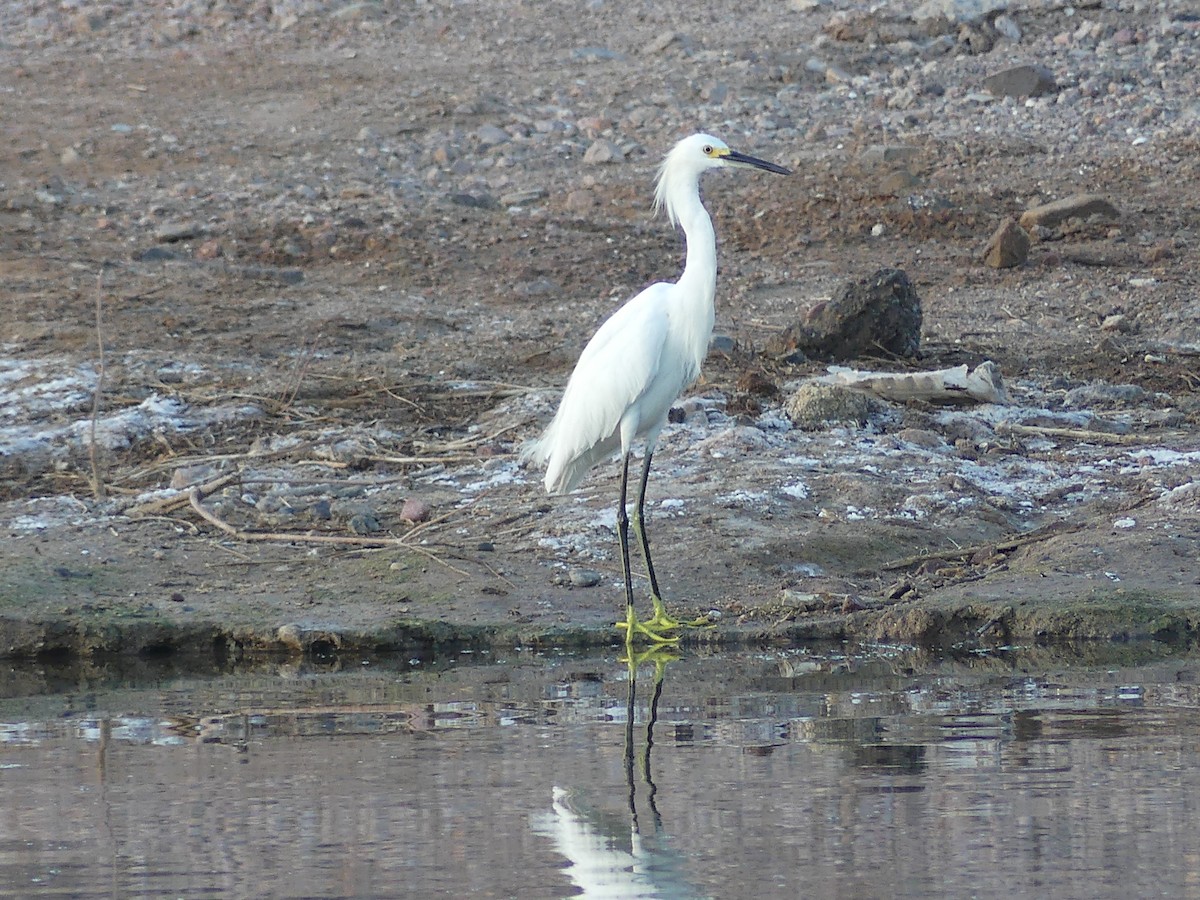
x,y
741,159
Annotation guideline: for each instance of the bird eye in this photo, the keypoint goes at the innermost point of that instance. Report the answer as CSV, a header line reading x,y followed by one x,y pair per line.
x,y
708,151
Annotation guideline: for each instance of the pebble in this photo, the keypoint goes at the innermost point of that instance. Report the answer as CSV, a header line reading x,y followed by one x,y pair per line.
x,y
661,43
290,636
475,200
596,54
155,254
49,198
580,199
492,136
415,510
210,249
1007,27
186,476
172,232
1117,322
603,151
1021,81
1008,246
889,154
522,197
583,578
921,437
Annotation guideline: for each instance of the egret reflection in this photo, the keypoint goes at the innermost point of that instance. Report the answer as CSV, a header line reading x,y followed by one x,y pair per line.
x,y
613,854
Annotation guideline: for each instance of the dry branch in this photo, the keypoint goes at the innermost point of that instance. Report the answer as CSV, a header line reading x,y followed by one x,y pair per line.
x,y
1081,434
1002,546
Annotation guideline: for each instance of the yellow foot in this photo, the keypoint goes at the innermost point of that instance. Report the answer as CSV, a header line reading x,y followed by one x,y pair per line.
x,y
664,621
631,626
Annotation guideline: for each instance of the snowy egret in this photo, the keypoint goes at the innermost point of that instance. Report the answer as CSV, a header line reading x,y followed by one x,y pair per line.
x,y
641,359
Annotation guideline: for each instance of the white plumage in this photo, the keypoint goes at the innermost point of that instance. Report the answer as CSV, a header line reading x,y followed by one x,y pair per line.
x,y
644,356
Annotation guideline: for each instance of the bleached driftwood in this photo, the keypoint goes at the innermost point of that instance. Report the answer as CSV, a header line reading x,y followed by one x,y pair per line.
x,y
982,384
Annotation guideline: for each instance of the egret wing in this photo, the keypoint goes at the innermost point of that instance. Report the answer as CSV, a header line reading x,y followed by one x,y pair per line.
x,y
616,368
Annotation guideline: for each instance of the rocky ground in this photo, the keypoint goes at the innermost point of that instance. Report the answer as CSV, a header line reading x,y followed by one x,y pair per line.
x,y
328,264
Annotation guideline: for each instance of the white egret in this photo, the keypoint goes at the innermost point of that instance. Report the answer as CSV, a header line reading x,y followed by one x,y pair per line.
x,y
641,359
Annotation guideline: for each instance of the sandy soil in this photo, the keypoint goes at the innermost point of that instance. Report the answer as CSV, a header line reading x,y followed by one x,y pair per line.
x,y
340,257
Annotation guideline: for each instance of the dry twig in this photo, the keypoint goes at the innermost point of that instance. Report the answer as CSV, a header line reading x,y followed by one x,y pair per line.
x,y
1082,434
1002,546
97,479
195,497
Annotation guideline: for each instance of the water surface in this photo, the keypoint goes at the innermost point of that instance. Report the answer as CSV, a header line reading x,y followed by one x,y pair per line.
x,y
775,774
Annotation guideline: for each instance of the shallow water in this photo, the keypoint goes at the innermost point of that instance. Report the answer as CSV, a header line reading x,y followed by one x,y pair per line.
x,y
774,774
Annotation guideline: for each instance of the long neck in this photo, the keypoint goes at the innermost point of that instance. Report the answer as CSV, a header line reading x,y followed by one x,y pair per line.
x,y
698,283
700,270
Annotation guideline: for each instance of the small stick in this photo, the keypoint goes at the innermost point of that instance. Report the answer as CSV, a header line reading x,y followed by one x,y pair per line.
x,y
1002,546
166,504
341,540
97,479
1082,434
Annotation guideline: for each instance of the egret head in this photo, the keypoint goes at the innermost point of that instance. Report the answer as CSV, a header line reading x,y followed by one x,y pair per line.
x,y
692,157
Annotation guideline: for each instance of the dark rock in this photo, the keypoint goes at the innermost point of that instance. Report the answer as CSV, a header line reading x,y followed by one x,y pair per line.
x,y
1008,247
155,254
879,315
475,201
722,343
364,523
1022,81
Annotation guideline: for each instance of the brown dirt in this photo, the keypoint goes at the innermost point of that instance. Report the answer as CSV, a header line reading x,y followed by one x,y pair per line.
x,y
350,280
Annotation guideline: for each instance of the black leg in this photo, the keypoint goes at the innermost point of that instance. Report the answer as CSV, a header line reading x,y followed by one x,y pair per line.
x,y
623,534
639,527
631,625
